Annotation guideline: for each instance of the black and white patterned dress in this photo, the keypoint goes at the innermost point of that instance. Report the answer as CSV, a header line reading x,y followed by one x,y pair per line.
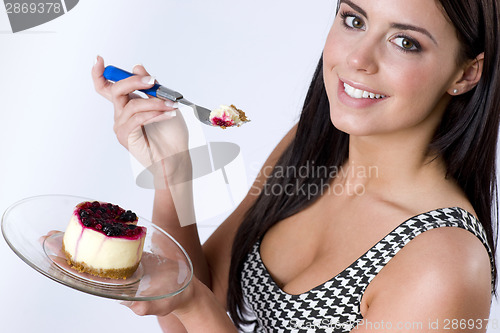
x,y
334,306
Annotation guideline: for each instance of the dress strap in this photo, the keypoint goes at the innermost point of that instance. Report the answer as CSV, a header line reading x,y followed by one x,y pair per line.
x,y
379,255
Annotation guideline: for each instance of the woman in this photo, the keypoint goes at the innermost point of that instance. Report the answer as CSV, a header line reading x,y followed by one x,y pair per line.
x,y
398,135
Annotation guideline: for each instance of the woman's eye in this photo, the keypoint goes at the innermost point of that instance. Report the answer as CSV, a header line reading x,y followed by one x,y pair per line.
x,y
406,44
354,22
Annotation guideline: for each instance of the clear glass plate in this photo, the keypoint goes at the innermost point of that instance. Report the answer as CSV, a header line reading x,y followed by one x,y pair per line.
x,y
165,269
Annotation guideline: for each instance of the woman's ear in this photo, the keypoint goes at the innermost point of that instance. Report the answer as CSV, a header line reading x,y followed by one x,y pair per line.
x,y
471,75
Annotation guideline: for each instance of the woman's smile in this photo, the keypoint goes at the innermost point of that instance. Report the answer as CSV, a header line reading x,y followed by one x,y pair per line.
x,y
356,95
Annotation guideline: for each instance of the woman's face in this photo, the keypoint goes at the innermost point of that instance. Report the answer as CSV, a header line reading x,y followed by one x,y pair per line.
x,y
388,65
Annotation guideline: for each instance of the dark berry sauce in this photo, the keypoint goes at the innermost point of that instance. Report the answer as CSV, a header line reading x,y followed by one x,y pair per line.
x,y
109,219
222,123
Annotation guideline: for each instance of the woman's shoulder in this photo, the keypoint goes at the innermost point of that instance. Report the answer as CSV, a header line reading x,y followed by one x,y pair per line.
x,y
450,246
444,266
452,251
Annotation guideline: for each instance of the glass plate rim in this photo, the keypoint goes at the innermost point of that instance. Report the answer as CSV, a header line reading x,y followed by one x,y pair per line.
x,y
76,287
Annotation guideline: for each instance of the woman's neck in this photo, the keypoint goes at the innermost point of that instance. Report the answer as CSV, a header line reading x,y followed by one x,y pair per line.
x,y
387,164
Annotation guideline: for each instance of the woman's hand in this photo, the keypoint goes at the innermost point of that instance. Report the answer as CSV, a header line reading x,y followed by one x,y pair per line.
x,y
164,306
131,111
196,308
150,128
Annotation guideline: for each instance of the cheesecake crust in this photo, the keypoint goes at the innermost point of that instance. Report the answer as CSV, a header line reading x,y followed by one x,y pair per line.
x,y
82,267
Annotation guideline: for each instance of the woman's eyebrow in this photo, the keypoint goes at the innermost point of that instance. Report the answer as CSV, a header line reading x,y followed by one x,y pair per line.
x,y
355,7
402,26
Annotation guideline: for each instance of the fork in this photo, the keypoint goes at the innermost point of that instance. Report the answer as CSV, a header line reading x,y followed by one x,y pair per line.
x,y
115,74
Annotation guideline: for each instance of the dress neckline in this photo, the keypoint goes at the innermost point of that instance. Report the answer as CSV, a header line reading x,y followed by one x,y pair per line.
x,y
354,263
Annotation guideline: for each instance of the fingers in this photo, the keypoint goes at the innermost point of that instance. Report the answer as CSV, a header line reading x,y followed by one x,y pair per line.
x,y
141,111
101,85
131,112
139,105
118,92
164,306
50,233
121,90
144,308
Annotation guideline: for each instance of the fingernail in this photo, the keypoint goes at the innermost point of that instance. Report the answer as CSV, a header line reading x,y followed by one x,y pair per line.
x,y
148,80
126,303
172,104
95,60
171,113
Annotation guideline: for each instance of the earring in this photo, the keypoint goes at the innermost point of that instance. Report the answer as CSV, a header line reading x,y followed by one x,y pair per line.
x,y
455,91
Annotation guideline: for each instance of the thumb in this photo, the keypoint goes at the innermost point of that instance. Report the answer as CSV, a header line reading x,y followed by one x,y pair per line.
x,y
140,70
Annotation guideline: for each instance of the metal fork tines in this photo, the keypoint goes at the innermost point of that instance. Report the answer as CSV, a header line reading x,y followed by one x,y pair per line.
x,y
203,114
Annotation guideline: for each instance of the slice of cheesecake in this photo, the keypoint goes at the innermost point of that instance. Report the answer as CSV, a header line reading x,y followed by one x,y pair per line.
x,y
103,239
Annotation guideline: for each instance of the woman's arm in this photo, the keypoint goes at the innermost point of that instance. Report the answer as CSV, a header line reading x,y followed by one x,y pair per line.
x,y
212,261
164,215
206,315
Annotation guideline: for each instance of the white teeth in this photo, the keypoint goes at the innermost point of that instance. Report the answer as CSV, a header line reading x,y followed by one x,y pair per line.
x,y
357,93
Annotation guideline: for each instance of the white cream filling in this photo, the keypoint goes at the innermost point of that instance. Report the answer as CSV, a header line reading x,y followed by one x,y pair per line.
x,y
358,93
224,112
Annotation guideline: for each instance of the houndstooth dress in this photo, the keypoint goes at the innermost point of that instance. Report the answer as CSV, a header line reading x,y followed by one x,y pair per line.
x,y
334,306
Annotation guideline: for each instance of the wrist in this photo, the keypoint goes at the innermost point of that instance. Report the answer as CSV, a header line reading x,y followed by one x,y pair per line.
x,y
197,296
202,312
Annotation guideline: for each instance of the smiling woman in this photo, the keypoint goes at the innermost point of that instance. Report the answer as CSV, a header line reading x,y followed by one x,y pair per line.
x,y
411,88
412,59
407,89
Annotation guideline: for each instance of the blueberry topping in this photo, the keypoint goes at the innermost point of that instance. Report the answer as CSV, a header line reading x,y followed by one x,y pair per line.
x,y
112,231
128,216
112,220
106,227
86,222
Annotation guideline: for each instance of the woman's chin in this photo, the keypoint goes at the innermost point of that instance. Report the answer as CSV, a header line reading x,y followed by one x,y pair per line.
x,y
351,127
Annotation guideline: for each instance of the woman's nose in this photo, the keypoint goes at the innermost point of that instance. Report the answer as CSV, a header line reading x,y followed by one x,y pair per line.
x,y
363,57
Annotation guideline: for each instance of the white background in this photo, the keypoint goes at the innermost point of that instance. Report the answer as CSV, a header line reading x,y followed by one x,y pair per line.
x,y
56,133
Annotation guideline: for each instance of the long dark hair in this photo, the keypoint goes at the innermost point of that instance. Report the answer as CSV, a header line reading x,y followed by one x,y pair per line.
x,y
466,139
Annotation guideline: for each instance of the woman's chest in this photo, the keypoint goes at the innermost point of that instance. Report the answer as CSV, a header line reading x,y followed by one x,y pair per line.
x,y
314,245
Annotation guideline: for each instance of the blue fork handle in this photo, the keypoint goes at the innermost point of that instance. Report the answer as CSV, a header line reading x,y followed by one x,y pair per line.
x,y
115,74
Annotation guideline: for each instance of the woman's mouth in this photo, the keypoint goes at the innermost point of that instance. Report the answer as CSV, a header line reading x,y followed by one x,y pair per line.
x,y
358,97
358,93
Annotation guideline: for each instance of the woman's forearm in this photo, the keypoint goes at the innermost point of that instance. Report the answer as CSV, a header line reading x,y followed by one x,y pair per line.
x,y
165,216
